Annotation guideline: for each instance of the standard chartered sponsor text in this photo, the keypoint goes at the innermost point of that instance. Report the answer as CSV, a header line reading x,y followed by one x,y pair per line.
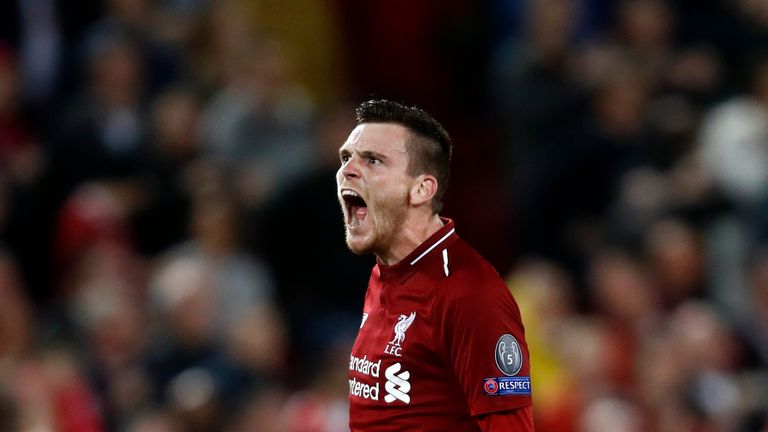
x,y
361,389
365,367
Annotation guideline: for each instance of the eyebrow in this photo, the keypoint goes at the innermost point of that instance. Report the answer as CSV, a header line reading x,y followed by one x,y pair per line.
x,y
372,154
364,154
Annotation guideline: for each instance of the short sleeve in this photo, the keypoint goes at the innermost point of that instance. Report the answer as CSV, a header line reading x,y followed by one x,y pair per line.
x,y
518,420
483,341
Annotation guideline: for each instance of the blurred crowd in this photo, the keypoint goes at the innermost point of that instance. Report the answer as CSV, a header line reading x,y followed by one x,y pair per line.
x,y
171,248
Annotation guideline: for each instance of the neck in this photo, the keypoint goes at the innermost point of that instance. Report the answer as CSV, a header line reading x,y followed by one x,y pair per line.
x,y
413,232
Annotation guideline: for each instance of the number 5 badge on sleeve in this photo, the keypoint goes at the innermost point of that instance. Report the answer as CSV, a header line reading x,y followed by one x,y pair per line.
x,y
509,360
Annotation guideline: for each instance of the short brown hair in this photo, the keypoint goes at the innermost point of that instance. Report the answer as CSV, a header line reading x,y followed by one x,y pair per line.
x,y
429,148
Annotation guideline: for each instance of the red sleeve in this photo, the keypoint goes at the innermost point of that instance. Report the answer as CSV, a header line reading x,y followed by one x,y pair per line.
x,y
483,342
519,420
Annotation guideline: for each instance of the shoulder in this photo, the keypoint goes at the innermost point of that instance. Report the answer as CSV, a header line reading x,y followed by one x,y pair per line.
x,y
472,285
468,272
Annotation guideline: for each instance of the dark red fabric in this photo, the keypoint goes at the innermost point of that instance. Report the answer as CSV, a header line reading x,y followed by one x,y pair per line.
x,y
439,367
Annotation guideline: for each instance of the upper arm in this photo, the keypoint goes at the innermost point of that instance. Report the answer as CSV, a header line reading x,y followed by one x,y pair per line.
x,y
480,319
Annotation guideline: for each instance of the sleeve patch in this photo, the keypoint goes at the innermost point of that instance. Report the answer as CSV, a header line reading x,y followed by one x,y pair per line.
x,y
509,356
504,386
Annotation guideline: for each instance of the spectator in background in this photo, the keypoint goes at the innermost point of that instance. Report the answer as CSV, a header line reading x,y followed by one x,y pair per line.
x,y
323,406
104,132
183,365
216,49
644,28
532,82
709,354
240,281
99,300
141,22
732,154
46,35
164,214
588,347
40,42
116,332
203,374
93,219
545,296
50,393
258,124
231,324
262,412
734,145
675,254
578,174
612,413
624,296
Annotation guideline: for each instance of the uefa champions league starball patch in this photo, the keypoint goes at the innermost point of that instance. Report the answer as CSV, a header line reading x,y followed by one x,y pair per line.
x,y
509,355
509,360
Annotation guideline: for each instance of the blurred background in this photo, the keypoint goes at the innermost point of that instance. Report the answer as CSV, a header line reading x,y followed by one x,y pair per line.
x,y
171,249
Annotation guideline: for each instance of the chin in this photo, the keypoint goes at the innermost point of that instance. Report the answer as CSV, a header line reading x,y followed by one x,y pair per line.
x,y
358,246
357,251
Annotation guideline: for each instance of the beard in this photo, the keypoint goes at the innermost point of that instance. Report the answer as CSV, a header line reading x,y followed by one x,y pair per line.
x,y
386,216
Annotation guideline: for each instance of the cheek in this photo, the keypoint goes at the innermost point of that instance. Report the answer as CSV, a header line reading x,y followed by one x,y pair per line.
x,y
339,176
392,195
399,190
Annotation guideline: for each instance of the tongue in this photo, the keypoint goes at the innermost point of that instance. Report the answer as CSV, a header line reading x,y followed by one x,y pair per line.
x,y
361,213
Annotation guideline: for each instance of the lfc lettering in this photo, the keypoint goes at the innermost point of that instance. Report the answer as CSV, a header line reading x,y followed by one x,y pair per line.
x,y
393,350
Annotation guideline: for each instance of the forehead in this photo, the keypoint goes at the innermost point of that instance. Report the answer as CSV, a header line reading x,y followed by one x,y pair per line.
x,y
384,138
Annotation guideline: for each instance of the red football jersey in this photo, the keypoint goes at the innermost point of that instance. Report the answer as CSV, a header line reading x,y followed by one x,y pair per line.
x,y
441,341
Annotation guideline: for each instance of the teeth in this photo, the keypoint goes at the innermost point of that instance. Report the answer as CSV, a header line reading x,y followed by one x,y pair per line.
x,y
347,192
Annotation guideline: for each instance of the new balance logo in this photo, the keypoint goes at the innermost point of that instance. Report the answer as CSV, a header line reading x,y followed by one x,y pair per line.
x,y
397,385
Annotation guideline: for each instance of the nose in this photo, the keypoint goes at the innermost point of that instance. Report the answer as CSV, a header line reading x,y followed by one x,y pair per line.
x,y
350,169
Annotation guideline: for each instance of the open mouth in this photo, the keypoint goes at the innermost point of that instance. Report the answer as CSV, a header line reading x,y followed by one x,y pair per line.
x,y
357,209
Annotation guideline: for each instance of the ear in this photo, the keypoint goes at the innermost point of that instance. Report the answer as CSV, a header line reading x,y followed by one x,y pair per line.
x,y
423,190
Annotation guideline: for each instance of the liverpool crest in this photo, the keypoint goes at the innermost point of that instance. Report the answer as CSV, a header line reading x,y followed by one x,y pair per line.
x,y
402,325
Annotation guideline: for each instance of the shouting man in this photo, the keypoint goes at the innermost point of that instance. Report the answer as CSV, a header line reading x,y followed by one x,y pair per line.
x,y
441,346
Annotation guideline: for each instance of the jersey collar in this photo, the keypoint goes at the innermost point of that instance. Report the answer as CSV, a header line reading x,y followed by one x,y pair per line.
x,y
402,270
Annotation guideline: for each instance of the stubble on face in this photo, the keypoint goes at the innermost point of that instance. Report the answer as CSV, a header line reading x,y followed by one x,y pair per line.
x,y
379,174
388,214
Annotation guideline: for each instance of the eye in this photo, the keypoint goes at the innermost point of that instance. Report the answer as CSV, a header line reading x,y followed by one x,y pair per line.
x,y
374,161
344,158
